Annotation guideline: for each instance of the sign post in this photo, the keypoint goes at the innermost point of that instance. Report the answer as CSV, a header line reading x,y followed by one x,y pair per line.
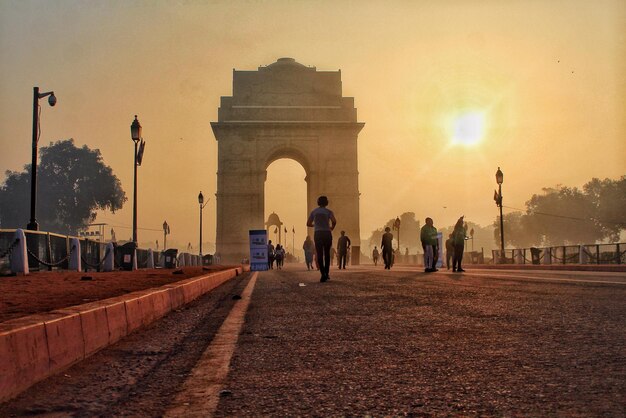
x,y
258,250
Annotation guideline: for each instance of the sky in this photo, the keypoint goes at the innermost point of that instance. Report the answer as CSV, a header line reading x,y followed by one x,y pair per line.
x,y
449,91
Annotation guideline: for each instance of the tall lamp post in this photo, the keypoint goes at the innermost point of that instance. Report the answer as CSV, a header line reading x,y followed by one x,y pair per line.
x,y
135,134
166,231
202,205
498,198
396,226
52,100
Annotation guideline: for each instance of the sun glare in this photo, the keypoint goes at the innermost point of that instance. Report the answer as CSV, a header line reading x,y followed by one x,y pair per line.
x,y
468,128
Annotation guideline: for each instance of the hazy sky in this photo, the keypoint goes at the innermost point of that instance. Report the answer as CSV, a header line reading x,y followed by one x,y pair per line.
x,y
541,85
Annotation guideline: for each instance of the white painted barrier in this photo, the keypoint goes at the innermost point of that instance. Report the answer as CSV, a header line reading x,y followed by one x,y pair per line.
x,y
150,259
74,261
19,256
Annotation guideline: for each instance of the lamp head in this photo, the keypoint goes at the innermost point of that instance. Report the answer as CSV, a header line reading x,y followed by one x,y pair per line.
x,y
499,176
135,130
52,99
200,198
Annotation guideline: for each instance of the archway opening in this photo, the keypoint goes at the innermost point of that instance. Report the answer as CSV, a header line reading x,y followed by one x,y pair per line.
x,y
286,195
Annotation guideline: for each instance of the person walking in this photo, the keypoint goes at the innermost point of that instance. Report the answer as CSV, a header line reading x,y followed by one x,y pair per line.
x,y
270,254
343,246
459,245
449,250
375,255
428,236
323,221
280,256
309,251
387,248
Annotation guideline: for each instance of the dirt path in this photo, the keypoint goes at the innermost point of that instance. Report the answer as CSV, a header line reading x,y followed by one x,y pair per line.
x,y
45,291
138,376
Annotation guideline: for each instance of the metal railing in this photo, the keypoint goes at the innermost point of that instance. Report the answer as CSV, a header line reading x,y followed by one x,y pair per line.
x,y
50,251
564,254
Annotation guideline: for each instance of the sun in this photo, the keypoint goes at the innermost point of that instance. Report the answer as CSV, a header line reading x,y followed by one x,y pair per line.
x,y
468,128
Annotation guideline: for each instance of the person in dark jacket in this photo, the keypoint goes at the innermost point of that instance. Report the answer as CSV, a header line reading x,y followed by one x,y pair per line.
x,y
428,236
458,235
343,246
387,249
449,250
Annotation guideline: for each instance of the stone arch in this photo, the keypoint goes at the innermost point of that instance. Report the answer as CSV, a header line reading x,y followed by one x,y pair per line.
x,y
284,110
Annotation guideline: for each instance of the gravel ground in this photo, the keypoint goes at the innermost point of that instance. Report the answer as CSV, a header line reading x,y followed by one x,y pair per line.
x,y
371,343
406,343
45,291
139,375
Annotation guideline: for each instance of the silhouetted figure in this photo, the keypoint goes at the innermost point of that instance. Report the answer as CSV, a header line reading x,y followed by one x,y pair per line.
x,y
343,246
280,256
333,253
449,250
323,221
428,236
309,251
270,254
387,249
375,255
459,245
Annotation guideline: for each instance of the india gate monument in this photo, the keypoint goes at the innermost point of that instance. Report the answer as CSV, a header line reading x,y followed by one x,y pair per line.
x,y
284,110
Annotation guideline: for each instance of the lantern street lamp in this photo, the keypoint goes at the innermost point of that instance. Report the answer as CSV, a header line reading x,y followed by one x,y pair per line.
x,y
202,205
166,231
52,100
396,226
498,198
135,135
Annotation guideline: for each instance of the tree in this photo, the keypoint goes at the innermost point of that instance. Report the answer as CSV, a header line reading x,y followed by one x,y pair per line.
x,y
409,233
563,215
519,231
609,200
72,184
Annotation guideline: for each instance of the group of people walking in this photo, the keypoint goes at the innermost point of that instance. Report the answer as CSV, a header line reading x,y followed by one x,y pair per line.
x,y
275,255
455,245
323,221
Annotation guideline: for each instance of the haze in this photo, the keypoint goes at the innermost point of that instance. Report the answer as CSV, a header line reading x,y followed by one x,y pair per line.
x,y
448,92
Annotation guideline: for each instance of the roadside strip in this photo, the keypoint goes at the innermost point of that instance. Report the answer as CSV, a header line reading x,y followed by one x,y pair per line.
x,y
37,346
201,391
510,275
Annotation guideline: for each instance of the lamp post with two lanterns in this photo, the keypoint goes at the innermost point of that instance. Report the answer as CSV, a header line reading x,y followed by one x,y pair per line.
x,y
52,100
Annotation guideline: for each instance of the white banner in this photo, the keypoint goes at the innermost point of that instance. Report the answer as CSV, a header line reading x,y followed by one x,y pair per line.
x,y
258,250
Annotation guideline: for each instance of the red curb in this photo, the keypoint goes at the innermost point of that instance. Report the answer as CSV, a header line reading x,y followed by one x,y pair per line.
x,y
66,344
37,346
23,358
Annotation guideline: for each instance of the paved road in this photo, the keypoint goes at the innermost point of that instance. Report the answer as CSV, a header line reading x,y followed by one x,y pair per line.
x,y
374,342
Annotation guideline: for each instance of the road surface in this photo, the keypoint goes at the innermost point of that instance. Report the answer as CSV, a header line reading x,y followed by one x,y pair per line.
x,y
368,342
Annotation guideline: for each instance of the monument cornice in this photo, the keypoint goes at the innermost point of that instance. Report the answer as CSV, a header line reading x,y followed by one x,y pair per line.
x,y
224,125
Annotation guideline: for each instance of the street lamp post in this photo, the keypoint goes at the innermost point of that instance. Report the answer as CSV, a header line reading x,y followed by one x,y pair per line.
x,y
498,199
52,100
202,205
135,134
396,226
201,201
166,231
